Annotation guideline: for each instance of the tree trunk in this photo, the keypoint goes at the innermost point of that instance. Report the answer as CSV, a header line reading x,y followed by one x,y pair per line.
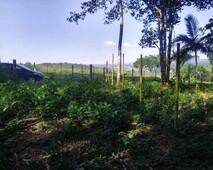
x,y
169,49
162,47
120,41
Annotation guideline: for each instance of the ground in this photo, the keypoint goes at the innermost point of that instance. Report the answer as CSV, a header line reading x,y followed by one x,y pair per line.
x,y
38,143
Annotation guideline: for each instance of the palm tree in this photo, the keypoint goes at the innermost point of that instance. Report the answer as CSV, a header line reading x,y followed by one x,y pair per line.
x,y
193,41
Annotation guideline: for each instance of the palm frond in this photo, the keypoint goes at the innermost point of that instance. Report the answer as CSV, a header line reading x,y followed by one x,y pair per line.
x,y
192,26
182,38
206,49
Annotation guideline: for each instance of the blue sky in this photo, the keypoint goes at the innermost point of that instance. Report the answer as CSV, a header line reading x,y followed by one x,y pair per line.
x,y
37,31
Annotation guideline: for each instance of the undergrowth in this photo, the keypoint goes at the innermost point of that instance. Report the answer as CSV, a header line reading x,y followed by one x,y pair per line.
x,y
92,125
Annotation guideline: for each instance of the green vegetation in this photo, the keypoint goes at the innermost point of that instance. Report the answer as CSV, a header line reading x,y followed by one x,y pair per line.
x,y
151,63
89,124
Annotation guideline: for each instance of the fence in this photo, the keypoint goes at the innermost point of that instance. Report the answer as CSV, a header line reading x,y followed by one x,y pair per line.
x,y
81,71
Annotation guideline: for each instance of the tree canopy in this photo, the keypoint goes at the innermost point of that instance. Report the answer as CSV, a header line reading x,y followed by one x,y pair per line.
x,y
151,62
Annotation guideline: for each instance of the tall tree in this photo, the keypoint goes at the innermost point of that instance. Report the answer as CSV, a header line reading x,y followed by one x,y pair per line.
x,y
194,40
164,15
120,6
115,12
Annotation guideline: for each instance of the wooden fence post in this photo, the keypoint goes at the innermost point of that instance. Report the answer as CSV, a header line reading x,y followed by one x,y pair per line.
x,y
61,68
34,66
106,78
141,78
132,74
90,71
112,69
47,68
104,73
82,70
72,71
177,85
14,66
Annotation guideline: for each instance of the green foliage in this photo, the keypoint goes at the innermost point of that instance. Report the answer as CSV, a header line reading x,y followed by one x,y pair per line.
x,y
191,107
159,109
17,102
50,100
151,62
188,73
101,126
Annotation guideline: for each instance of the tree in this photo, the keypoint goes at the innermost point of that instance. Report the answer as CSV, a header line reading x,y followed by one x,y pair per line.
x,y
115,13
194,40
201,4
210,56
209,31
164,15
151,62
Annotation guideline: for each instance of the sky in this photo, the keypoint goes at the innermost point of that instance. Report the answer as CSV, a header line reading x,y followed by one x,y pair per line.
x,y
38,31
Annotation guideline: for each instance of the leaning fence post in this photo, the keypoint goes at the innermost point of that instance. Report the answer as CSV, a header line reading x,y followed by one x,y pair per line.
x,y
90,71
177,85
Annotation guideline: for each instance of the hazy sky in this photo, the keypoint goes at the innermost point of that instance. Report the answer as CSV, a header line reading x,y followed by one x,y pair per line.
x,y
37,31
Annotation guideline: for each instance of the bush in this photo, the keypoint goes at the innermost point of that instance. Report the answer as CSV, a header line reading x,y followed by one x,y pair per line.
x,y
191,107
17,102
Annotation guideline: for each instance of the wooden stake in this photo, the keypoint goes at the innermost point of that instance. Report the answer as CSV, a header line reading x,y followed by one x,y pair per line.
x,y
34,66
14,66
47,68
61,68
132,74
90,71
104,73
82,70
72,71
106,78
